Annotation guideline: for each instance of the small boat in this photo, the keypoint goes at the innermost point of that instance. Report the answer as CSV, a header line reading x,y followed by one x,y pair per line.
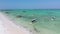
x,y
53,18
33,20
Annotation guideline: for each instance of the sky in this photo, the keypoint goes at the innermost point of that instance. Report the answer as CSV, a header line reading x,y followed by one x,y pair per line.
x,y
29,4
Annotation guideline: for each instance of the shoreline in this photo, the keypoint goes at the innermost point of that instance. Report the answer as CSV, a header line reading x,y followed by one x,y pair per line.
x,y
41,30
11,24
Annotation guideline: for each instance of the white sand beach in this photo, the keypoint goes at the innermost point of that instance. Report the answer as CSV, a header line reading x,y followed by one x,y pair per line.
x,y
8,27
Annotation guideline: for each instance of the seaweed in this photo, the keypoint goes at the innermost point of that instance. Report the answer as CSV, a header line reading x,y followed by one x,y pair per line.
x,y
19,16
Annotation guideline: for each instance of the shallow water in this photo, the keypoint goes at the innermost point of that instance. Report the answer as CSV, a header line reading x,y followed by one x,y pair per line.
x,y
44,22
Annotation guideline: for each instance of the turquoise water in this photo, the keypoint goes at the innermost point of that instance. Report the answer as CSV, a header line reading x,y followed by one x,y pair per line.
x,y
43,19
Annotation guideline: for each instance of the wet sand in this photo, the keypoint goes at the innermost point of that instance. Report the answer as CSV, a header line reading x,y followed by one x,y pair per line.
x,y
8,27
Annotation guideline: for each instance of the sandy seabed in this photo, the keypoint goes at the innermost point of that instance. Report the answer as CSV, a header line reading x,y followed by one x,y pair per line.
x,y
8,27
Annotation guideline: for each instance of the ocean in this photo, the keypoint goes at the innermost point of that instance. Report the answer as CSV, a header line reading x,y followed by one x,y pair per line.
x,y
38,21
